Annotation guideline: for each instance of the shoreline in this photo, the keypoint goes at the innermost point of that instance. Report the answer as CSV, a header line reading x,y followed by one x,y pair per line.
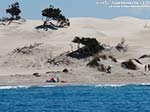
x,y
72,85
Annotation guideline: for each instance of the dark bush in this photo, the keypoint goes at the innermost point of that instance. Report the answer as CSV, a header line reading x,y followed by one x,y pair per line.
x,y
36,74
129,65
90,48
53,13
14,11
65,70
94,62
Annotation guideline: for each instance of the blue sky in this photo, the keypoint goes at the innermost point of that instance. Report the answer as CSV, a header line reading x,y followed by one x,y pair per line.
x,y
31,9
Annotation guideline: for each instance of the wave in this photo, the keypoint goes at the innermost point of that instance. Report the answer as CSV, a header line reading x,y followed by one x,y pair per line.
x,y
46,86
122,85
79,85
111,85
25,87
143,84
13,87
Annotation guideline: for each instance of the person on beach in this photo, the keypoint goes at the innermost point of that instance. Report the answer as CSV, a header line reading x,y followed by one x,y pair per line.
x,y
108,69
52,79
57,77
148,67
145,67
103,68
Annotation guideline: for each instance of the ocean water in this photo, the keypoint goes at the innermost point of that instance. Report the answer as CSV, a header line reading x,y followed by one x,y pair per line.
x,y
82,98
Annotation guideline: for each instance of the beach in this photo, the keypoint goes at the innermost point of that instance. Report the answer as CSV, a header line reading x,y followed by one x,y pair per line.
x,y
17,68
75,79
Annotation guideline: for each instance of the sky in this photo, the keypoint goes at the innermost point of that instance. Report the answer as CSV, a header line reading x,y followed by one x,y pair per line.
x,y
31,9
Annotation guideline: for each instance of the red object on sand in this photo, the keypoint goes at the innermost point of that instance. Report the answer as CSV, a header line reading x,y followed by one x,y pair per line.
x,y
52,79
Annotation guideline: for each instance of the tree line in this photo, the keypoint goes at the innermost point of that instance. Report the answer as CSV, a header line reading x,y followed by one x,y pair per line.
x,y
50,14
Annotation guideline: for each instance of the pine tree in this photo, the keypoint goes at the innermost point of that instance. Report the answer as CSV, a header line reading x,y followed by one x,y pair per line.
x,y
14,11
53,13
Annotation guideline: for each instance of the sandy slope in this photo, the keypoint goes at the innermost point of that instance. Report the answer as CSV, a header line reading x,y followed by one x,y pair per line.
x,y
55,42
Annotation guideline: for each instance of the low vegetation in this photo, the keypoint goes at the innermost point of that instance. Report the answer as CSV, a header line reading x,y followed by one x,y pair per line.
x,y
91,47
129,64
26,49
122,46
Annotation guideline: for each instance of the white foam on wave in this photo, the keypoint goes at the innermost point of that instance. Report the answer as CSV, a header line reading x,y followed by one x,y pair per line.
x,y
25,87
93,85
110,85
121,85
100,85
47,86
13,87
144,84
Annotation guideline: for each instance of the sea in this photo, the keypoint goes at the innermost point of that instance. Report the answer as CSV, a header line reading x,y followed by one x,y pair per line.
x,y
75,98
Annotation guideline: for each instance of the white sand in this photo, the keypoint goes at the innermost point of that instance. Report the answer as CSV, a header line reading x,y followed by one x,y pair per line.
x,y
55,42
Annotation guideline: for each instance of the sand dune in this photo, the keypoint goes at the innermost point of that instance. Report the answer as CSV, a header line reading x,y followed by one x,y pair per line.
x,y
55,42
